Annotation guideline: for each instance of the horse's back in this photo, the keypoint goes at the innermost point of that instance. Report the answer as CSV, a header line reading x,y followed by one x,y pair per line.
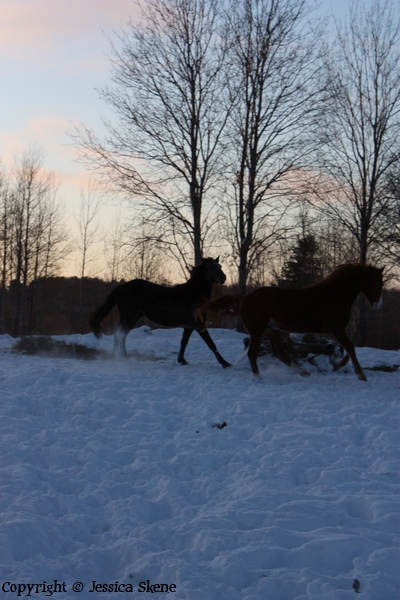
x,y
140,285
145,292
165,305
296,310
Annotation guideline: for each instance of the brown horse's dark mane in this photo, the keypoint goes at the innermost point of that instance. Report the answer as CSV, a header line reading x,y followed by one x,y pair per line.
x,y
346,268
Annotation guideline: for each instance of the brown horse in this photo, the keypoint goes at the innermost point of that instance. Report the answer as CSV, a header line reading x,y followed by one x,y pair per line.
x,y
320,308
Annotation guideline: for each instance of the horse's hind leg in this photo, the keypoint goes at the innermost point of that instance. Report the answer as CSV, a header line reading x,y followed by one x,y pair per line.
x,y
254,347
126,323
119,341
344,341
207,338
187,332
275,337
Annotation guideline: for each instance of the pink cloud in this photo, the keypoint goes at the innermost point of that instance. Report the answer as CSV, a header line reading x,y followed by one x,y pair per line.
x,y
40,25
60,156
48,132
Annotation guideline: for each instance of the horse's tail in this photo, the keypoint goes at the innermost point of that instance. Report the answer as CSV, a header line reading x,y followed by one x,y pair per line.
x,y
102,312
224,305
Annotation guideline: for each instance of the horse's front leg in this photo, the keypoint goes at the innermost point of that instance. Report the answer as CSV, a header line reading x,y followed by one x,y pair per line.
x,y
342,362
344,341
187,332
203,333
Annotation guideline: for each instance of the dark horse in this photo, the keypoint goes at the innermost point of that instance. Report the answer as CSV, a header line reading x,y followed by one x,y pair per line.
x,y
171,306
320,308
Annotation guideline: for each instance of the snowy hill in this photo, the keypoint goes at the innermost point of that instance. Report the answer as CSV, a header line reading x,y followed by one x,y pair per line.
x,y
114,471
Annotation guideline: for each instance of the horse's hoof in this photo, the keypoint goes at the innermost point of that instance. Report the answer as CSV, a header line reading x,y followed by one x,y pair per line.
x,y
182,362
362,377
225,364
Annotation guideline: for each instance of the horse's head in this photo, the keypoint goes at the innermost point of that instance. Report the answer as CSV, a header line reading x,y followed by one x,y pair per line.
x,y
372,289
214,270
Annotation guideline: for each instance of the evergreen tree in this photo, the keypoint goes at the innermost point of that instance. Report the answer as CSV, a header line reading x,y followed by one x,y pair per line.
x,y
303,267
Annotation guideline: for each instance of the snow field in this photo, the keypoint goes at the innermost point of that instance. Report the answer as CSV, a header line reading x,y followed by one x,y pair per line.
x,y
113,471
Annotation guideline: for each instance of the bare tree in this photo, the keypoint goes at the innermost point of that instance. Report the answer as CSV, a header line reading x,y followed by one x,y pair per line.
x,y
391,217
145,258
113,249
5,239
33,234
274,65
89,234
54,242
168,94
29,190
360,127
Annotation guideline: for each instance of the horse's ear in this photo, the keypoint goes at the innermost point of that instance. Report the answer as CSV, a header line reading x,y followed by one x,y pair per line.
x,y
217,259
381,270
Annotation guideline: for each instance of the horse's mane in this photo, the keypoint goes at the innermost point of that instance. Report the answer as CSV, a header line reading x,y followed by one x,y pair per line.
x,y
346,268
195,271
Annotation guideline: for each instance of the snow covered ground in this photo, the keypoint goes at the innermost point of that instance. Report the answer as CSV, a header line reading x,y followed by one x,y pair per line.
x,y
113,471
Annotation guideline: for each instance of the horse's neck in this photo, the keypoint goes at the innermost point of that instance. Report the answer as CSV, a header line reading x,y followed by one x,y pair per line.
x,y
349,289
201,287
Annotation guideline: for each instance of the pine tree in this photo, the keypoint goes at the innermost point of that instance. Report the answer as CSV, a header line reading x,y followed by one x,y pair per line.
x,y
303,266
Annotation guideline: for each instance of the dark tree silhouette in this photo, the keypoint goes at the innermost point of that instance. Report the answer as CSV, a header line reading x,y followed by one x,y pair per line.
x,y
168,95
360,128
304,265
274,65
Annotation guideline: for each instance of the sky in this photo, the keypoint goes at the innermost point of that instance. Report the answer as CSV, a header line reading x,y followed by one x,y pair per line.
x,y
53,61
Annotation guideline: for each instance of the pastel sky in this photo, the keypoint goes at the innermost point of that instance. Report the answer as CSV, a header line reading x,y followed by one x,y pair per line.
x,y
53,59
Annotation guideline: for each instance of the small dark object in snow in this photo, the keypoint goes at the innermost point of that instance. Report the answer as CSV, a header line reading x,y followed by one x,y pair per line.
x,y
218,426
356,586
384,368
